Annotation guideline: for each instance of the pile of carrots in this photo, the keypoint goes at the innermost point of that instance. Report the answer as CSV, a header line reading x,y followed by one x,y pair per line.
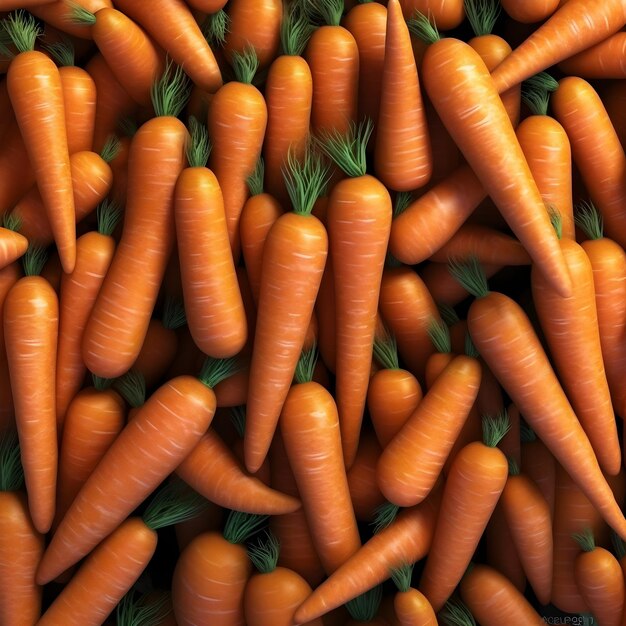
x,y
313,312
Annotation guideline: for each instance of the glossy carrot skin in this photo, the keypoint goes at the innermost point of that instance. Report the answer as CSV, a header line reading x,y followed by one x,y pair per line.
x,y
167,427
110,343
79,99
31,319
604,60
9,275
446,13
412,608
21,547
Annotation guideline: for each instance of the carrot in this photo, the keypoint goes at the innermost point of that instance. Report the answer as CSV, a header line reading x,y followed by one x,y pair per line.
x,y
406,540
213,303
13,245
36,93
530,12
237,120
604,60
116,564
59,14
474,484
446,14
613,97
21,546
600,580
411,606
210,576
504,174
507,342
402,157
294,255
273,594
131,55
172,26
412,461
358,244
576,26
9,275
119,319
493,600
163,432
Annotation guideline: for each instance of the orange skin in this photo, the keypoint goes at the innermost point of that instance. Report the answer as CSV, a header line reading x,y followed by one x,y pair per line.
x,y
402,157
21,547
596,150
462,91
406,540
288,95
577,25
408,308
12,246
59,14
446,13
31,319
431,220
105,576
254,23
570,327
209,582
494,600
213,304
135,60
528,518
78,294
474,484
604,60
157,353
35,89
531,11
207,6
270,599
111,344
91,182
164,430
412,461
213,470
294,256
237,120
94,419
333,57
358,244
9,275
79,99
309,426
412,608
172,26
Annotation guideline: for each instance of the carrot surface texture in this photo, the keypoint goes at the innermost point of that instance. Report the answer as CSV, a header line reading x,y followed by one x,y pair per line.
x,y
411,606
163,432
358,221
36,94
507,342
120,317
294,256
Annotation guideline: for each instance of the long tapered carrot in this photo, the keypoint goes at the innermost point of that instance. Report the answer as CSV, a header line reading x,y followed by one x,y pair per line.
x,y
464,96
505,339
36,93
604,60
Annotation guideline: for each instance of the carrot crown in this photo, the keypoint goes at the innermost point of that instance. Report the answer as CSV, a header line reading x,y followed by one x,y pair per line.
x,y
306,180
469,347
245,64
536,92
527,434
455,613
173,313
80,15
241,526
589,220
264,554
585,540
347,150
170,93
384,516
134,610
327,11
256,178
364,608
10,221
439,335
495,427
402,202
132,387
423,28
11,471
448,314
174,503
215,371
619,547
22,30
306,365
111,148
386,351
101,383
34,260
295,30
108,215
238,419
556,220
469,273
62,52
514,469
199,147
482,15
402,577
215,28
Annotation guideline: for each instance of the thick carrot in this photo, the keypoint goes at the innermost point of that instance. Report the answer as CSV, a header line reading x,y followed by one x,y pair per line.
x,y
411,606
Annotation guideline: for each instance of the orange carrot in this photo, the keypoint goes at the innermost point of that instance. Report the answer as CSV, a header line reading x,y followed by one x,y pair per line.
x,y
411,606
12,244
446,14
59,14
